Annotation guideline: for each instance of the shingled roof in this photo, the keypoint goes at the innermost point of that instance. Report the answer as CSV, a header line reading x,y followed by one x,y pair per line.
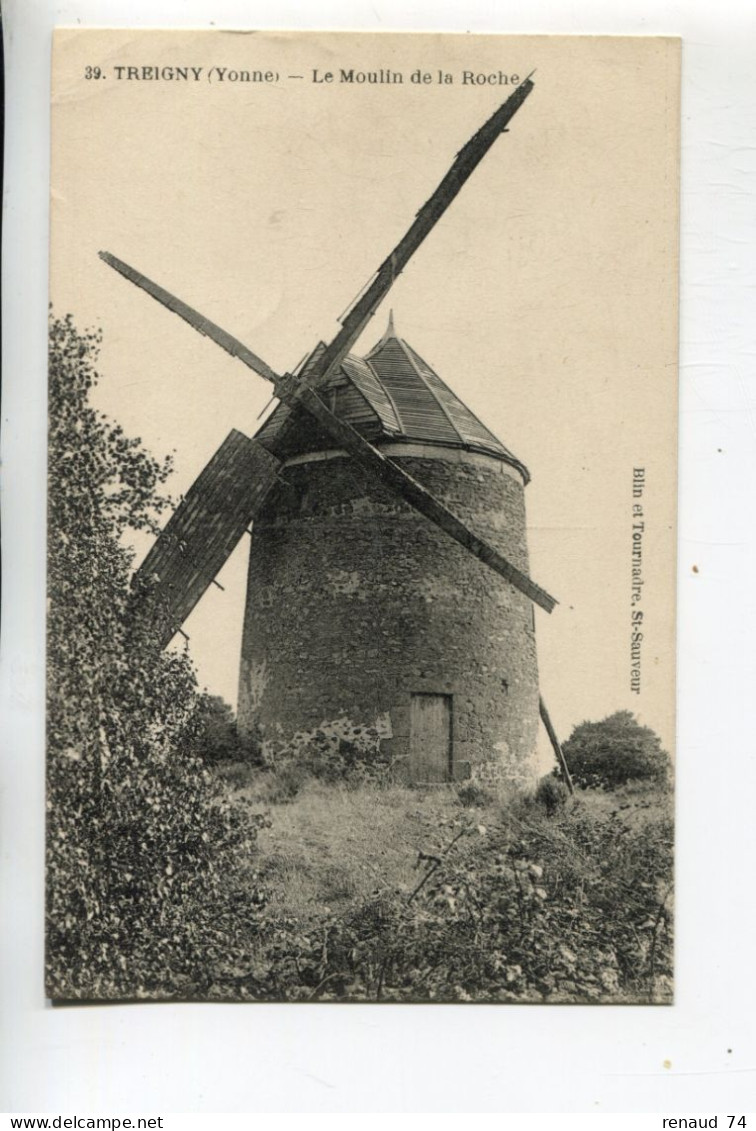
x,y
392,395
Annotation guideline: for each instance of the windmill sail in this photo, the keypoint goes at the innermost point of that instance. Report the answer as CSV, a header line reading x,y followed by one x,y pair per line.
x,y
300,389
297,390
203,325
464,165
203,531
421,499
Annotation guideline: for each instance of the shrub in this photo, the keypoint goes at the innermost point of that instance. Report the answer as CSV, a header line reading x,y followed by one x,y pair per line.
x,y
339,753
616,750
143,849
216,735
573,908
285,783
551,793
473,796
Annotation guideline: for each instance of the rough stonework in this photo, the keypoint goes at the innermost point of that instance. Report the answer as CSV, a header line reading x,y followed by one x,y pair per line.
x,y
355,603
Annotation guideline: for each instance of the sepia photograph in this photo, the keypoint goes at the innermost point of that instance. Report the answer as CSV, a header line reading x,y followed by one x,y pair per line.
x,y
362,517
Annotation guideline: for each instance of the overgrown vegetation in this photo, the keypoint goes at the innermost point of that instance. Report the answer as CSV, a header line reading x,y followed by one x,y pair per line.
x,y
387,895
178,868
216,736
342,752
145,850
615,751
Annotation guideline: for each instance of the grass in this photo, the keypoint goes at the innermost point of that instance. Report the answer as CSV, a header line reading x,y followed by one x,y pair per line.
x,y
330,846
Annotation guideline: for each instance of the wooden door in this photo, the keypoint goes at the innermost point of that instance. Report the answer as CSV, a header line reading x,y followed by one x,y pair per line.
x,y
430,738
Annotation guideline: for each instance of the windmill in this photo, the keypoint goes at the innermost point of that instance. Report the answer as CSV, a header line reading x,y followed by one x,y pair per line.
x,y
317,445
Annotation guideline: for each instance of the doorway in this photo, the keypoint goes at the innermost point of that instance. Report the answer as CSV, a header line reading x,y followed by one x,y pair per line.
x,y
430,758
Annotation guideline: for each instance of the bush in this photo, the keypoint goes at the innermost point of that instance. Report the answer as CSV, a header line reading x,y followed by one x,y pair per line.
x,y
285,783
571,908
216,736
616,750
143,848
474,796
338,753
551,793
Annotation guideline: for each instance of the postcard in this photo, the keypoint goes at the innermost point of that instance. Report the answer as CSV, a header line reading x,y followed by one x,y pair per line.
x,y
362,517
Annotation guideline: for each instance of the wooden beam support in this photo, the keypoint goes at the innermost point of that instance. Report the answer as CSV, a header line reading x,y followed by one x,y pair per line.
x,y
546,719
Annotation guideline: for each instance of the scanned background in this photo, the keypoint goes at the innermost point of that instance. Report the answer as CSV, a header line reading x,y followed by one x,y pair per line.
x,y
546,297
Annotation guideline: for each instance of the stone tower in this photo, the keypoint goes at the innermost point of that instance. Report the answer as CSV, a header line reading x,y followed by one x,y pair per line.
x,y
368,628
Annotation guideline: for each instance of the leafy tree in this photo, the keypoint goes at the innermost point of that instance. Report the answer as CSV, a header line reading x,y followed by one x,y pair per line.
x,y
217,734
616,750
141,845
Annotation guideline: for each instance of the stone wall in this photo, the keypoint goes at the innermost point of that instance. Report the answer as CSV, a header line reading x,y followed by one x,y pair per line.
x,y
355,602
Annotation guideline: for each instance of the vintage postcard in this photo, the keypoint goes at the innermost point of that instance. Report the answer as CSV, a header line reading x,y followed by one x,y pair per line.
x,y
363,448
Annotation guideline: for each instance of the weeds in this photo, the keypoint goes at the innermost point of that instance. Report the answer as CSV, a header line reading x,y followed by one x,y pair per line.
x,y
375,895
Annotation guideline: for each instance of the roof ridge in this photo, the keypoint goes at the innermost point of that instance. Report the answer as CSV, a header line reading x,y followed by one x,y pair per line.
x,y
416,357
389,398
413,359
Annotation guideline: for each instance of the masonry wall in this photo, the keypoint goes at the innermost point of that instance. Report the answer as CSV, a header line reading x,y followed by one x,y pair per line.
x,y
355,602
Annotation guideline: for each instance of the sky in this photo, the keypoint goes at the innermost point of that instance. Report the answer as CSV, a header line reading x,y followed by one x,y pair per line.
x,y
546,296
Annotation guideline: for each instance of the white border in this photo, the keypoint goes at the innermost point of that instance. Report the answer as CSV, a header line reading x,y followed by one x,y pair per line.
x,y
150,1058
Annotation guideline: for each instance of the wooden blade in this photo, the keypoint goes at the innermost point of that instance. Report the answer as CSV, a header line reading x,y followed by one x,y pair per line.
x,y
301,388
463,166
203,531
194,318
422,500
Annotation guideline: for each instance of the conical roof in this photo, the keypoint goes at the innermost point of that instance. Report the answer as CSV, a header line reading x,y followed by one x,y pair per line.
x,y
391,394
